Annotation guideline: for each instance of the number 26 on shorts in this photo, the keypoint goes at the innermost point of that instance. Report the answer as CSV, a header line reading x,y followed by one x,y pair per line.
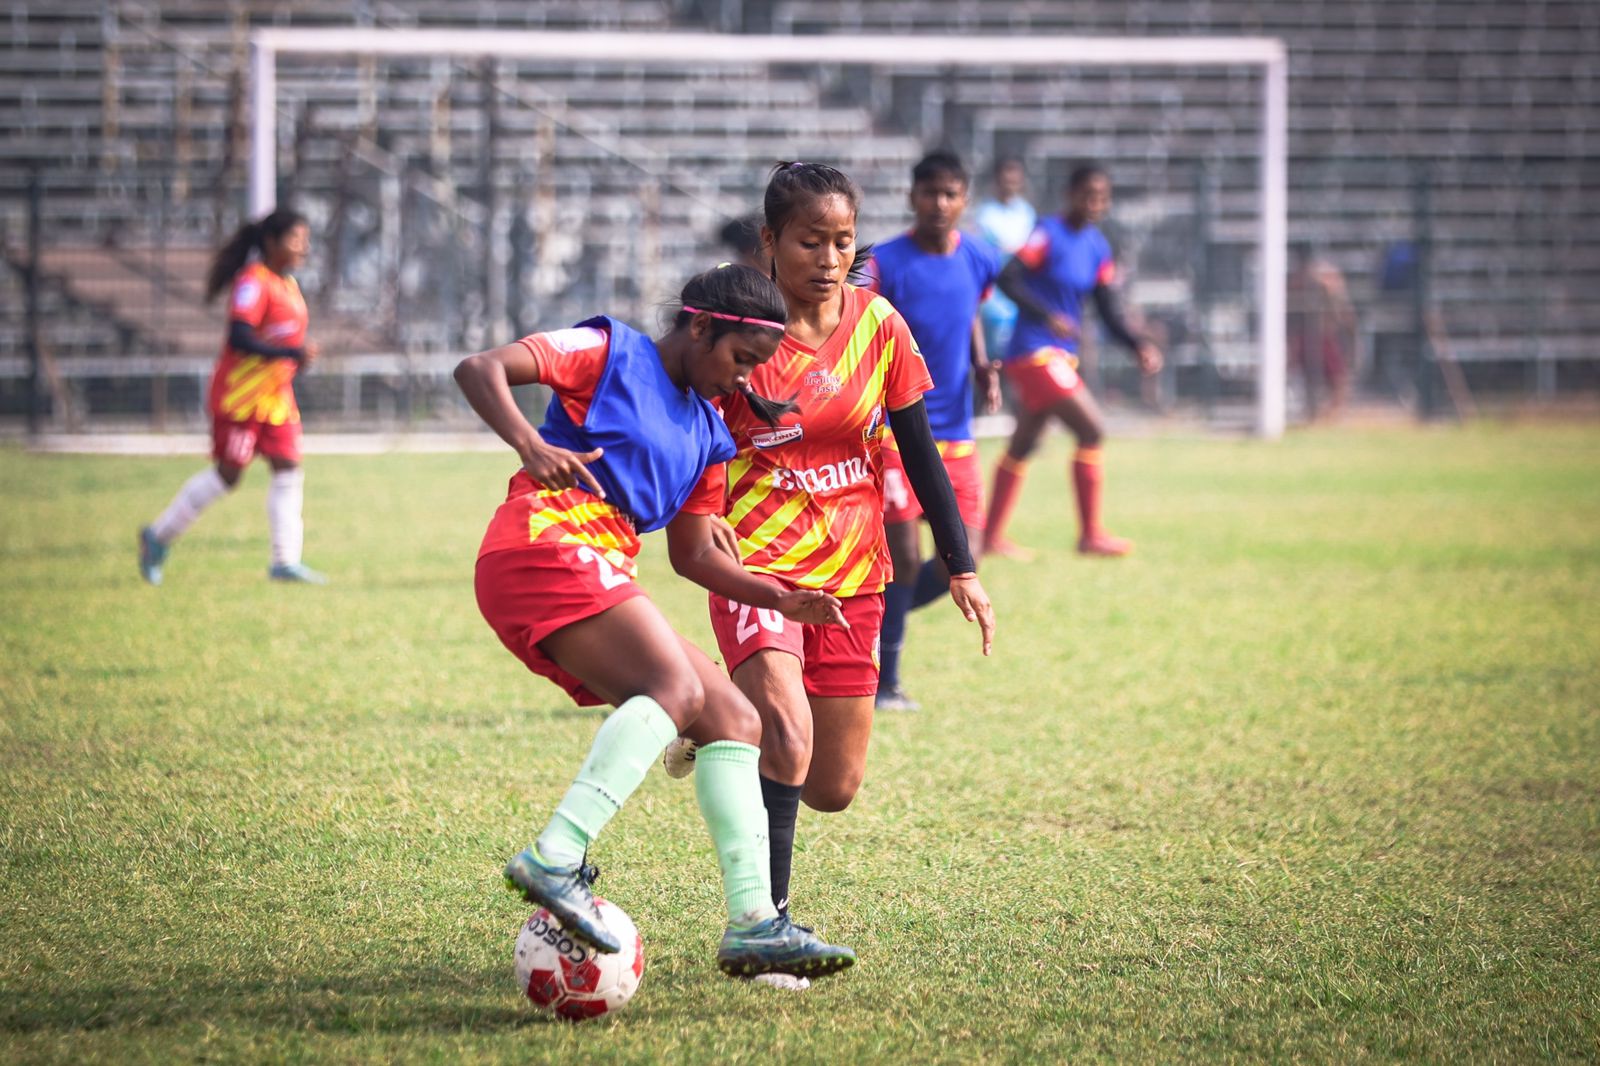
x,y
765,618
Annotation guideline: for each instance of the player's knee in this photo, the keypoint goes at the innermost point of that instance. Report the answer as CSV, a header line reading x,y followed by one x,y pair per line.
x,y
830,797
785,751
229,475
681,695
1090,434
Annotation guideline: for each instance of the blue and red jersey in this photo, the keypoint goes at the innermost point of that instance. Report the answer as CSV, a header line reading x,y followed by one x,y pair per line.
x,y
938,296
611,392
1065,266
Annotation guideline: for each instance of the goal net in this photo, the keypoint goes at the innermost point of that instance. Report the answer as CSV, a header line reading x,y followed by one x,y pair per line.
x,y
468,185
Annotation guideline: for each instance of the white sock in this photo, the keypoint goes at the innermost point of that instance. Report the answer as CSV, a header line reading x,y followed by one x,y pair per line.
x,y
285,497
198,493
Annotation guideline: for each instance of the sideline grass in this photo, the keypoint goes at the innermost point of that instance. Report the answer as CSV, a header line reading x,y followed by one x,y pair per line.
x,y
1313,776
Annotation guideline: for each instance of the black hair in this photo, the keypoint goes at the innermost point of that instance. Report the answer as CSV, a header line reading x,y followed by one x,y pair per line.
x,y
1083,172
1001,162
742,291
939,163
249,237
792,184
743,235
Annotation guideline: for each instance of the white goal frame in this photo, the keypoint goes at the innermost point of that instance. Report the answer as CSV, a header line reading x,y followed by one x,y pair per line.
x,y
710,49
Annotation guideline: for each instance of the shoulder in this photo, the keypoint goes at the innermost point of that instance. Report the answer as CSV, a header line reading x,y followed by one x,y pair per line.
x,y
980,252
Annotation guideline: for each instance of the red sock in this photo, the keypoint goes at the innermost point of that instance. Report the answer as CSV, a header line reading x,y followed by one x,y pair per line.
x,y
1008,477
1086,480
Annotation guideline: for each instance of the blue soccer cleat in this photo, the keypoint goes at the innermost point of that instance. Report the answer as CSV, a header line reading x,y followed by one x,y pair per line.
x,y
777,945
298,573
152,553
564,892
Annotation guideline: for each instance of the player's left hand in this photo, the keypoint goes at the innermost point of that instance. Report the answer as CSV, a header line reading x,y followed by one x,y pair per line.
x,y
723,538
1150,360
968,593
311,351
990,376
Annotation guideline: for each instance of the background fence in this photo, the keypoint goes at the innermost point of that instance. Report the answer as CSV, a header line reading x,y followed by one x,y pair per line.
x,y
1443,156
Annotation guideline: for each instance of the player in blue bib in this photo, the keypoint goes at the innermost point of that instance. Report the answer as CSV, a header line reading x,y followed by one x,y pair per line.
x,y
936,278
1066,262
628,434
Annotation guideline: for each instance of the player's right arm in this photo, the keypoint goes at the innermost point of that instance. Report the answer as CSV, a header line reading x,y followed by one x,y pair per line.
x,y
1014,283
693,548
486,380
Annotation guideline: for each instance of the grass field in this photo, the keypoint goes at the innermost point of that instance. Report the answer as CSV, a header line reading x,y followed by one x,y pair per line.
x,y
1314,776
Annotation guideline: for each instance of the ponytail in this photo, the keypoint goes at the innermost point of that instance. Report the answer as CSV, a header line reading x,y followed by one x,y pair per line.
x,y
250,237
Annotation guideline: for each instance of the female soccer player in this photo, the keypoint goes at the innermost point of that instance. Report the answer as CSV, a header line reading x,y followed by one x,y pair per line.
x,y
626,437
936,279
1065,260
804,497
252,396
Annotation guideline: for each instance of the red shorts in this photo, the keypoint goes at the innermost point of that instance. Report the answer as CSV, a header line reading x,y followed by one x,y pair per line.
x,y
1044,378
528,593
238,442
966,477
834,661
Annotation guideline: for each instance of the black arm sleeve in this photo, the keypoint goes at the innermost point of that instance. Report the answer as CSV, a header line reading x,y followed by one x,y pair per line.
x,y
1013,282
1110,307
241,338
931,483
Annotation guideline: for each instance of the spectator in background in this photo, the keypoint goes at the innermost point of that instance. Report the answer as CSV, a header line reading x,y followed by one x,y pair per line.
x,y
742,237
1322,331
1005,221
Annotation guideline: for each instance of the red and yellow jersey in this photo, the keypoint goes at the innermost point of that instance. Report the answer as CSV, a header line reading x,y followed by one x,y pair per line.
x,y
251,388
569,361
805,497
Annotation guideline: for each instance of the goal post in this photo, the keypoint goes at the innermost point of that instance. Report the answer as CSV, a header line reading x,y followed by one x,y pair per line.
x,y
708,49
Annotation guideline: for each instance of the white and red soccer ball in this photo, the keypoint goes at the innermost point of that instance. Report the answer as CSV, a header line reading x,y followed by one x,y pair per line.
x,y
571,979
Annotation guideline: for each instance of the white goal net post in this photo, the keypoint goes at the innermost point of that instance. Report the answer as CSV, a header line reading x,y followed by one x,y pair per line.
x,y
705,49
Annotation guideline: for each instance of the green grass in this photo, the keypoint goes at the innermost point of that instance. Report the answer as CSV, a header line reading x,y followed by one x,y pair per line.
x,y
1314,776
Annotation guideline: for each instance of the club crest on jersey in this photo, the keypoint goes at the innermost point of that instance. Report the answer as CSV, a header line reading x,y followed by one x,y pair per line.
x,y
874,423
823,384
771,438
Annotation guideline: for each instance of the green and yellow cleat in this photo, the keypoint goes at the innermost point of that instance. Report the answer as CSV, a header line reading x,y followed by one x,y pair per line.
x,y
779,946
564,892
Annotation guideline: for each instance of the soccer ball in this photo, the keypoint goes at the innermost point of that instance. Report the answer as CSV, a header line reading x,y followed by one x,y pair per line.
x,y
571,979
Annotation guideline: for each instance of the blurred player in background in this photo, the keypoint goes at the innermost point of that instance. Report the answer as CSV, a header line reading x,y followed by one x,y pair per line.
x,y
742,238
627,435
936,279
252,400
1066,261
1322,331
1005,221
804,498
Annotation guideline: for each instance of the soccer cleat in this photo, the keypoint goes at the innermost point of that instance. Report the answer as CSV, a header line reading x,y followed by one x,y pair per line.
x,y
894,699
777,945
298,573
788,982
152,553
564,892
678,759
1104,544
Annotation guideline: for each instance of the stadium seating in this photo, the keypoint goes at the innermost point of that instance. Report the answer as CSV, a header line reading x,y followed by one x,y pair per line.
x,y
132,113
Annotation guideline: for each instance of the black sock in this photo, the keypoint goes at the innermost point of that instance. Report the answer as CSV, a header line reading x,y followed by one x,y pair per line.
x,y
932,584
783,809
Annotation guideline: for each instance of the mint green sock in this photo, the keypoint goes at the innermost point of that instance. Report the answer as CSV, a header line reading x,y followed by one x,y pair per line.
x,y
728,786
628,743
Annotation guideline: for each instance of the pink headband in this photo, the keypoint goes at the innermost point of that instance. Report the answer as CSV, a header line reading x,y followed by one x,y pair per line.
x,y
779,326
